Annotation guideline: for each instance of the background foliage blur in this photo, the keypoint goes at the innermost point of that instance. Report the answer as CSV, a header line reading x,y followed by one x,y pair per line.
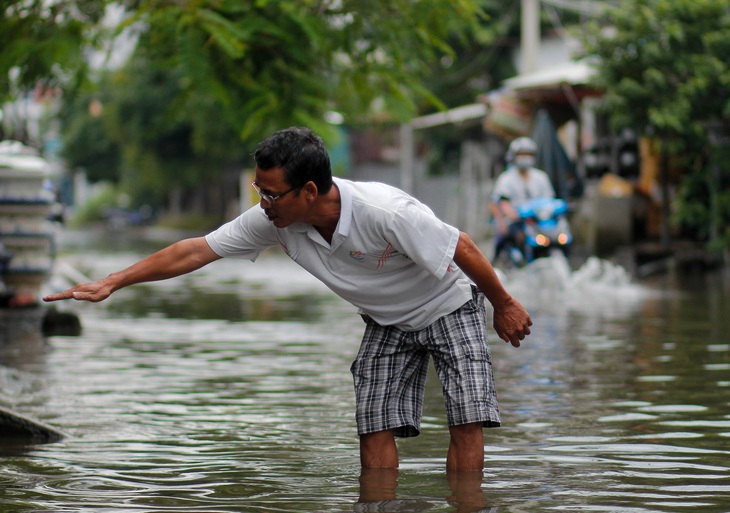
x,y
664,67
206,80
173,121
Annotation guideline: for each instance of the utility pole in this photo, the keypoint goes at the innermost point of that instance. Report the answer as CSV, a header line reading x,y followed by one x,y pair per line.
x,y
529,35
407,158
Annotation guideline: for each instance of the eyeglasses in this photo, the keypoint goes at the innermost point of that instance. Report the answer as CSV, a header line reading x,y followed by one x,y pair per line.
x,y
268,198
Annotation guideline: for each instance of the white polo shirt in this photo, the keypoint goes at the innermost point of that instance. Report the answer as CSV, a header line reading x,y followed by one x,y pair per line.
x,y
390,255
513,186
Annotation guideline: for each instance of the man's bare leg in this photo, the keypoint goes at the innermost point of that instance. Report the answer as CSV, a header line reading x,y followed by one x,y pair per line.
x,y
466,450
466,490
378,484
378,450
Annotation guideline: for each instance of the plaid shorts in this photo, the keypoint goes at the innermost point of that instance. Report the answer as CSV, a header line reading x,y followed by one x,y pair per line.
x,y
391,366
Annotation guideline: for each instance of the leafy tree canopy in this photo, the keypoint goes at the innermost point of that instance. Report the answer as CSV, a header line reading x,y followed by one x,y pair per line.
x,y
208,79
663,64
271,63
664,67
43,42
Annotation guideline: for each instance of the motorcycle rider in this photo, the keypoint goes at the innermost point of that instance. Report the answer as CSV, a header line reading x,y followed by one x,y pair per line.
x,y
520,182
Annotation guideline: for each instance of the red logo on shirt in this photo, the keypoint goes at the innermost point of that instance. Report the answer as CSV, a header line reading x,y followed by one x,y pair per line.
x,y
387,254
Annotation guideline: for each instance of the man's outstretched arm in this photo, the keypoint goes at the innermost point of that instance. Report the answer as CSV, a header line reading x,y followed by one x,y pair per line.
x,y
180,258
511,320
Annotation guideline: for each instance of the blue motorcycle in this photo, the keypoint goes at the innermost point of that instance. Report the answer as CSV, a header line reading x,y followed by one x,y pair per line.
x,y
542,230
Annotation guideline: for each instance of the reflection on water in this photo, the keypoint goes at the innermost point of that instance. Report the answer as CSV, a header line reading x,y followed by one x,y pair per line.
x,y
229,390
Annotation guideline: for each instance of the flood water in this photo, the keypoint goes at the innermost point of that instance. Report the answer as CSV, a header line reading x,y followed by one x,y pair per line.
x,y
229,391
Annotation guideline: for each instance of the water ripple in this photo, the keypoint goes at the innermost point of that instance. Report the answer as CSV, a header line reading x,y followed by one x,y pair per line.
x,y
224,392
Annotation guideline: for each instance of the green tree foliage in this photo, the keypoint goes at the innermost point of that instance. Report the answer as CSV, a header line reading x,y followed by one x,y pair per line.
x,y
272,63
664,67
208,79
86,141
42,45
663,64
43,42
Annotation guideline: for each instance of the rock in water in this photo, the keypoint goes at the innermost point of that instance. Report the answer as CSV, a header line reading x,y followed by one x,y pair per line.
x,y
15,427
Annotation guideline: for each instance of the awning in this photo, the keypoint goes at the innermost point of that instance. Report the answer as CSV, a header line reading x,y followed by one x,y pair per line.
x,y
573,73
455,115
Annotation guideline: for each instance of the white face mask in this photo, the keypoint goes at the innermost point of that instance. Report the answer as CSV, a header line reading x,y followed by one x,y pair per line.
x,y
524,161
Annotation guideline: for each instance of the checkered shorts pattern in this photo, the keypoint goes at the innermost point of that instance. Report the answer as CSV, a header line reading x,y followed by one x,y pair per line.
x,y
391,366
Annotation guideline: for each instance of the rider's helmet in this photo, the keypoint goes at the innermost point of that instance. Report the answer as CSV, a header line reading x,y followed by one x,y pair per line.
x,y
521,152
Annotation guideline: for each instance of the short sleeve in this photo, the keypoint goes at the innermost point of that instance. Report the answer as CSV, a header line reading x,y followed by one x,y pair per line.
x,y
245,236
500,188
421,236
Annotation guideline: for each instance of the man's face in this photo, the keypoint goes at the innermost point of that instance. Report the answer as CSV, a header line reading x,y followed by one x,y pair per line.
x,y
288,207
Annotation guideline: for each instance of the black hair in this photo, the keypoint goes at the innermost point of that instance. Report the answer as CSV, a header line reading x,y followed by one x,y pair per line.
x,y
300,153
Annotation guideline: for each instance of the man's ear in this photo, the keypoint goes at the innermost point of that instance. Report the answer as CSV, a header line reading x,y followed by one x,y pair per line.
x,y
310,190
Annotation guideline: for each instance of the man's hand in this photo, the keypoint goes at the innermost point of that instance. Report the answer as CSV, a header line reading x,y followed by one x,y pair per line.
x,y
512,322
93,291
